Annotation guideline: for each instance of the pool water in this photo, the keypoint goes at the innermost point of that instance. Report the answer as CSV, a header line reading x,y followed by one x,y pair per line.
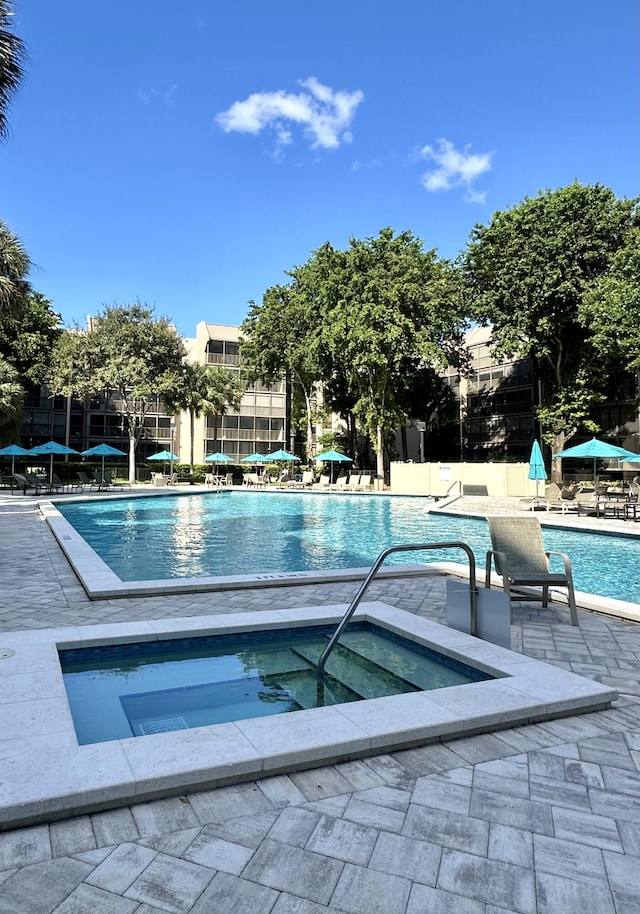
x,y
123,690
235,533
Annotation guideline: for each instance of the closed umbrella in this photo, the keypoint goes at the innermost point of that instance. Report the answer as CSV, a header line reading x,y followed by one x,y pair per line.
x,y
103,450
13,451
51,448
537,469
332,457
596,448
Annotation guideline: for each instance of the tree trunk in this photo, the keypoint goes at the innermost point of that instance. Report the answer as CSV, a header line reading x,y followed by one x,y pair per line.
x,y
132,455
379,452
191,439
557,445
307,399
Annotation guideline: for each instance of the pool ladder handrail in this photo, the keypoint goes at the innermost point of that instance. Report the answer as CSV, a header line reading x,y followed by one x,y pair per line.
x,y
412,547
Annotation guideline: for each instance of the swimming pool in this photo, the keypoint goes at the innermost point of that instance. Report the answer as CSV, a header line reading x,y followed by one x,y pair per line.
x,y
231,533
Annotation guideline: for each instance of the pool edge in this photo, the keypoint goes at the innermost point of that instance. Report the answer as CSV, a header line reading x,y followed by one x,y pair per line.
x,y
47,774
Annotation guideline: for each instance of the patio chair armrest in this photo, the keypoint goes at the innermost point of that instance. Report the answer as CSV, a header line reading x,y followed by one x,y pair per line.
x,y
565,560
500,561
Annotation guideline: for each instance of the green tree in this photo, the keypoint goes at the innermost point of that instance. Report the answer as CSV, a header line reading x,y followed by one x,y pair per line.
x,y
12,58
279,338
14,267
611,310
386,301
11,401
204,390
529,273
27,338
126,352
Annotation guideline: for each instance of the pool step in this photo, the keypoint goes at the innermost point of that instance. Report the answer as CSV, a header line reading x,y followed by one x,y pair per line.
x,y
362,675
303,688
423,672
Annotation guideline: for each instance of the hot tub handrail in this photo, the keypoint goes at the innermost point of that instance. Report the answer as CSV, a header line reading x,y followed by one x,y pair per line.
x,y
412,547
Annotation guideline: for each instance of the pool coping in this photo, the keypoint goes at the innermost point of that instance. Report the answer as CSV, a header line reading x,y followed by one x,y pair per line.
x,y
101,583
45,774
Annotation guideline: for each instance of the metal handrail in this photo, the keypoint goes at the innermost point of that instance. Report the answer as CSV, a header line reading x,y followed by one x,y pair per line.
x,y
413,547
456,482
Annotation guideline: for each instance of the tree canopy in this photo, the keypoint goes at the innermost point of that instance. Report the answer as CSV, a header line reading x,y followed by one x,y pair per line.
x,y
13,55
280,337
11,399
529,273
14,267
353,318
611,310
126,351
28,336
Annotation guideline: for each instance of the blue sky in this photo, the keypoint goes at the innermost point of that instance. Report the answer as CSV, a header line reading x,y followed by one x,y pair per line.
x,y
188,154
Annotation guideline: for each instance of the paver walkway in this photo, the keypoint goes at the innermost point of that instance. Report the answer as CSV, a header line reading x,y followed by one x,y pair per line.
x,y
543,819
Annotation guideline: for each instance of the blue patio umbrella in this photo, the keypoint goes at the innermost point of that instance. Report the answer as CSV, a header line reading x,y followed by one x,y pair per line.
x,y
256,458
537,469
165,456
13,451
51,448
596,448
332,457
103,450
218,457
282,455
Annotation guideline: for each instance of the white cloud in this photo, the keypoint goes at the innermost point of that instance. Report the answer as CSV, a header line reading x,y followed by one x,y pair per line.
x,y
324,115
455,168
358,165
165,96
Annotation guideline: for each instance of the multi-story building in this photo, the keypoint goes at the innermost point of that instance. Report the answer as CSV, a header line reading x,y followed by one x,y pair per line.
x,y
496,405
495,412
261,424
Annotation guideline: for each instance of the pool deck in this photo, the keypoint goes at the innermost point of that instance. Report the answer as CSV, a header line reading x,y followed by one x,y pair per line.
x,y
542,818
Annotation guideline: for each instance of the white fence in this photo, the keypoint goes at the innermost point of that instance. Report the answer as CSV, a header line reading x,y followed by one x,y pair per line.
x,y
499,479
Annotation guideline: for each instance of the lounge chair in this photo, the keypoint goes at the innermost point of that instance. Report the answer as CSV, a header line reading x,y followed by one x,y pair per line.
x,y
85,481
365,483
64,486
557,499
354,482
340,484
253,479
522,562
112,484
305,481
29,481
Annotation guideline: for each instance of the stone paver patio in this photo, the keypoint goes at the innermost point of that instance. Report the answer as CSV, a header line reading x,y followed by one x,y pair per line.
x,y
543,819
